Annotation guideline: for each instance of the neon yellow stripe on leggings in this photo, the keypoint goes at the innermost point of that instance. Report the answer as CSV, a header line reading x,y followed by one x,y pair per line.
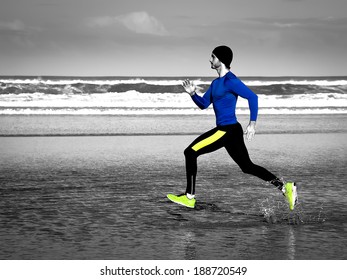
x,y
209,140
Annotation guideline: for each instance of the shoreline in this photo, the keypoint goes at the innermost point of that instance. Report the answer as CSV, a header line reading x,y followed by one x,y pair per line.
x,y
156,134
142,125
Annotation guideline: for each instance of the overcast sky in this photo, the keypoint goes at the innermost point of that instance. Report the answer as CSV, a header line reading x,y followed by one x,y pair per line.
x,y
172,38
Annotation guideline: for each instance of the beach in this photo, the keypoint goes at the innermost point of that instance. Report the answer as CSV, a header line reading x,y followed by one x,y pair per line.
x,y
94,187
87,162
115,125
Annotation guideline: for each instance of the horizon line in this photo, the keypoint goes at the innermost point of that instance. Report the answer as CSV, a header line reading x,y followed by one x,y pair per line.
x,y
169,76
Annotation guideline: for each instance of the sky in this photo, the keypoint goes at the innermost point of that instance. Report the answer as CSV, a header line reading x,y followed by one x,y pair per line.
x,y
172,38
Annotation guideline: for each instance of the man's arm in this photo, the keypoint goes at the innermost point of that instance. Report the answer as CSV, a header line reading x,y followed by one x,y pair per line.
x,y
201,102
242,90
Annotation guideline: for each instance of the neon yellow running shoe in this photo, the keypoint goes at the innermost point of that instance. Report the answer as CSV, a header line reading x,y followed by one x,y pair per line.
x,y
289,191
182,200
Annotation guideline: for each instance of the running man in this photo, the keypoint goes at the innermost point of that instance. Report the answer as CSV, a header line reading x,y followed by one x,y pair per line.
x,y
223,93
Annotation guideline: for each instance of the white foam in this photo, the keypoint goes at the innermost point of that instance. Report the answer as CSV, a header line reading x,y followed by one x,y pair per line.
x,y
298,82
95,82
168,82
163,100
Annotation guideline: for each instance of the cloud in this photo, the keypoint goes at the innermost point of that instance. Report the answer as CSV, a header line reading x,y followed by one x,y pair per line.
x,y
321,23
12,26
138,22
16,33
17,27
286,24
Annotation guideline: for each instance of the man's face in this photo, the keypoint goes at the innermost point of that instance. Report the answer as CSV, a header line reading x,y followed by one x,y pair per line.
x,y
215,63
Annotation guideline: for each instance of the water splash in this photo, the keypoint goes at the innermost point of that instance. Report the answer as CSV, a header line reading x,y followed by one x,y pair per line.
x,y
277,212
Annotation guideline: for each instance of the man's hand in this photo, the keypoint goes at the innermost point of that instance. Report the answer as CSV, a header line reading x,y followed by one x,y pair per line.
x,y
250,130
189,87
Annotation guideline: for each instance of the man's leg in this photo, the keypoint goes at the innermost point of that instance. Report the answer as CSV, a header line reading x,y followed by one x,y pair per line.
x,y
237,149
206,143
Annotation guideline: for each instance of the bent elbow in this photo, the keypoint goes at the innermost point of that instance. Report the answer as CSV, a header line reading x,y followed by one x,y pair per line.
x,y
203,106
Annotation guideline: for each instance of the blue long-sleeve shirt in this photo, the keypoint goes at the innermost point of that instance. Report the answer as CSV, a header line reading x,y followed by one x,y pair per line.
x,y
223,93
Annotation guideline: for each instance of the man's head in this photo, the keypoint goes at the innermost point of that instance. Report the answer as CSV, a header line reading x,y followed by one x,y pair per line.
x,y
224,55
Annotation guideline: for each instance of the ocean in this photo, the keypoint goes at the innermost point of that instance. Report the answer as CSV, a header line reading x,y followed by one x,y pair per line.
x,y
163,95
86,163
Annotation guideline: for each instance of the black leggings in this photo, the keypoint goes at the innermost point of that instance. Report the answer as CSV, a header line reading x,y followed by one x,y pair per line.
x,y
230,137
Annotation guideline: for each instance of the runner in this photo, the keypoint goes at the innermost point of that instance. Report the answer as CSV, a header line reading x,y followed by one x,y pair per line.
x,y
223,94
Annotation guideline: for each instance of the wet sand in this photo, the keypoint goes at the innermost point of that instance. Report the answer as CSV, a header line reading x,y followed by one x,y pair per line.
x,y
103,197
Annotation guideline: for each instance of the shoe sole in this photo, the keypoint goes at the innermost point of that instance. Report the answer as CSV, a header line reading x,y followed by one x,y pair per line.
x,y
180,203
294,195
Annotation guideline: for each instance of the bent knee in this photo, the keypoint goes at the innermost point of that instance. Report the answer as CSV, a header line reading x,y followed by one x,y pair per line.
x,y
189,152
